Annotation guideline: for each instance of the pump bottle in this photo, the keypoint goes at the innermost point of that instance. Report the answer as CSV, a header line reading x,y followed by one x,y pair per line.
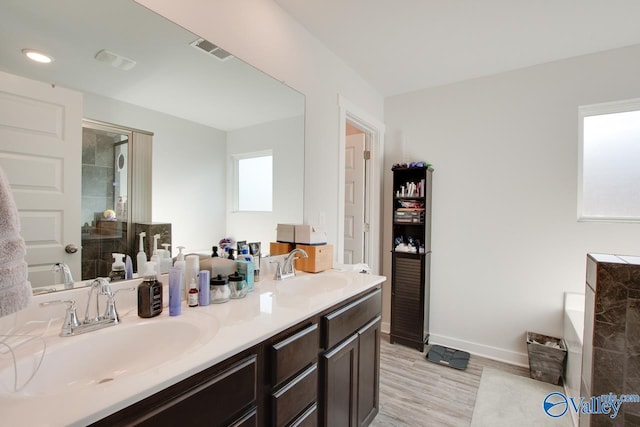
x,y
141,258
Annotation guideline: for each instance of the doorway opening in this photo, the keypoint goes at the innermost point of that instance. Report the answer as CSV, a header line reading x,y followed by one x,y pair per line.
x,y
360,209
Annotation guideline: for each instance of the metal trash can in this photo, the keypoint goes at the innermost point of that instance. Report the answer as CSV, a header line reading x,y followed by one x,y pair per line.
x,y
546,357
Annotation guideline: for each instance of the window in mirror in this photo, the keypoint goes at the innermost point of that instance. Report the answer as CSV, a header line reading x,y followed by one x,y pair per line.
x,y
254,178
610,153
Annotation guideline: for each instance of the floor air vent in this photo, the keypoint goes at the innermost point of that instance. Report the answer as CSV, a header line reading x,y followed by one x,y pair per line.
x,y
211,49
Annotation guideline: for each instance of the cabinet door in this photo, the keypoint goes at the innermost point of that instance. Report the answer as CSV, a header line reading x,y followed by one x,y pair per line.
x,y
368,371
339,397
407,303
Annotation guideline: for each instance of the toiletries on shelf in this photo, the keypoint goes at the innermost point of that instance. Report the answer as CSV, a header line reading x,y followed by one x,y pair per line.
x,y
150,293
141,257
192,296
203,287
117,268
175,291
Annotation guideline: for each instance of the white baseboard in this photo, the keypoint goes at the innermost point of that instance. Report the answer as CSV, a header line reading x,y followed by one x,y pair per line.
x,y
499,354
385,327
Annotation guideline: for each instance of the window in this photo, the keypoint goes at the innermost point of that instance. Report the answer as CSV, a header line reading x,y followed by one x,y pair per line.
x,y
254,178
609,180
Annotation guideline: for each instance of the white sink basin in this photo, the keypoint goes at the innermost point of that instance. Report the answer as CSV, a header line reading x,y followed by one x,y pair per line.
x,y
132,347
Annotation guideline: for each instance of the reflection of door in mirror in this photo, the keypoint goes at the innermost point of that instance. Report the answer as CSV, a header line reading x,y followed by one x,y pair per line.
x,y
40,154
105,190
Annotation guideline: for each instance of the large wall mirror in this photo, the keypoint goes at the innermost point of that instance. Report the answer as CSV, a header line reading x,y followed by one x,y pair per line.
x,y
205,109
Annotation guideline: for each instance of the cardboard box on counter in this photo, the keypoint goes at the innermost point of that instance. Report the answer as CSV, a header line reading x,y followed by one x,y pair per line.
x,y
309,235
286,233
278,248
320,258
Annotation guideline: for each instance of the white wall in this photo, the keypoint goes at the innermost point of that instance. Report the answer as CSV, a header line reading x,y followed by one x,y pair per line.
x,y
285,139
188,175
261,33
506,242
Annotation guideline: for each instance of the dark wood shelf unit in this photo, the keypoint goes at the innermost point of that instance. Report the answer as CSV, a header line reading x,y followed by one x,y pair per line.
x,y
410,276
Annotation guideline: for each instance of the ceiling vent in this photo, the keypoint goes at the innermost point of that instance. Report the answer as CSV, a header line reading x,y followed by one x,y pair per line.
x,y
212,49
115,60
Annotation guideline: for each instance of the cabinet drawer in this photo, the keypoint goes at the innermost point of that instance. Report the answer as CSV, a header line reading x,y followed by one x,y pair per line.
x,y
295,396
225,393
308,419
343,322
290,355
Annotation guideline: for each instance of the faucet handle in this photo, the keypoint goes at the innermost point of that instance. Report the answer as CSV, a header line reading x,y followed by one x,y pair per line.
x,y
111,313
71,316
278,274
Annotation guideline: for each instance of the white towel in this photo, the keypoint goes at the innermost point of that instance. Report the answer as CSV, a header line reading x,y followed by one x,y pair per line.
x,y
15,289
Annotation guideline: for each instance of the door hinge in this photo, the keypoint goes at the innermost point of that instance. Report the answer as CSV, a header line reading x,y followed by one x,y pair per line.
x,y
367,154
366,228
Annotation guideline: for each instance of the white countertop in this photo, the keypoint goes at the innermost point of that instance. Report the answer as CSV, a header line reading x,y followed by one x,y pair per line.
x,y
273,307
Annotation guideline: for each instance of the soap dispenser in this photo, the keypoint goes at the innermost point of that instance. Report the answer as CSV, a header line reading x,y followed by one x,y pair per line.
x,y
165,260
117,268
150,293
141,257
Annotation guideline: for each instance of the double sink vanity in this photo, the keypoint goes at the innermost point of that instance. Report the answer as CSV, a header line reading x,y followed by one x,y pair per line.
x,y
302,351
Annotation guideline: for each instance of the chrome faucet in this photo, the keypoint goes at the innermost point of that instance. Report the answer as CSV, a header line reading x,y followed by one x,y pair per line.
x,y
66,272
287,270
71,325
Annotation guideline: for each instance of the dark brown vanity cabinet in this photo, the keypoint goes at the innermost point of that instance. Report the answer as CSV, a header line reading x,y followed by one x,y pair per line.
x,y
322,371
350,366
411,256
224,395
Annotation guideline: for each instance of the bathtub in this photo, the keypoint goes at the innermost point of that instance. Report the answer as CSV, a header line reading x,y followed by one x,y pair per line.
x,y
573,333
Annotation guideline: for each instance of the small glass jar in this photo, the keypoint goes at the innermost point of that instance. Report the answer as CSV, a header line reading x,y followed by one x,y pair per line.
x,y
238,285
219,290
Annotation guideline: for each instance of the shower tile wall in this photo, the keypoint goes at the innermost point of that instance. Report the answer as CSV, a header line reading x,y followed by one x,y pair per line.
x,y
97,175
612,364
99,241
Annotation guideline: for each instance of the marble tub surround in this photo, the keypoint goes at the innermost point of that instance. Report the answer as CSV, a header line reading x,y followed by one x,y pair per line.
x,y
273,307
611,352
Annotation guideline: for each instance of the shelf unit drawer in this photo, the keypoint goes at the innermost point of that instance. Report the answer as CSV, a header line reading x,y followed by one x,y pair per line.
x,y
292,354
341,323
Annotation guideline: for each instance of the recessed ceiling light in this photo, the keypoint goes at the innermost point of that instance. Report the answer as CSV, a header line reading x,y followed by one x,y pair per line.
x,y
34,55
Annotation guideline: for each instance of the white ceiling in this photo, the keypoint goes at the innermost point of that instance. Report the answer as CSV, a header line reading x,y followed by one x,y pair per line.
x,y
400,46
170,76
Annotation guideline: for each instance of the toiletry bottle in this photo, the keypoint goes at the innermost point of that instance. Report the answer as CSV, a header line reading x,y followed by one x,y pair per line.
x,y
231,254
141,257
203,287
180,260
214,253
175,291
117,268
192,266
165,261
192,298
245,266
128,268
150,293
155,258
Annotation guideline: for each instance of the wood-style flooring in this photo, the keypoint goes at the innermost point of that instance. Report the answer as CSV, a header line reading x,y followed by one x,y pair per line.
x,y
418,393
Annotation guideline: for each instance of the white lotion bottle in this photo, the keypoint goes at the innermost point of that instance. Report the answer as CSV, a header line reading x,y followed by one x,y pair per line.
x,y
141,257
155,258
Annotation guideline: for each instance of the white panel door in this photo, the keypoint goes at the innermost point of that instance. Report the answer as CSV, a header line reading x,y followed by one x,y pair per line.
x,y
354,199
40,152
